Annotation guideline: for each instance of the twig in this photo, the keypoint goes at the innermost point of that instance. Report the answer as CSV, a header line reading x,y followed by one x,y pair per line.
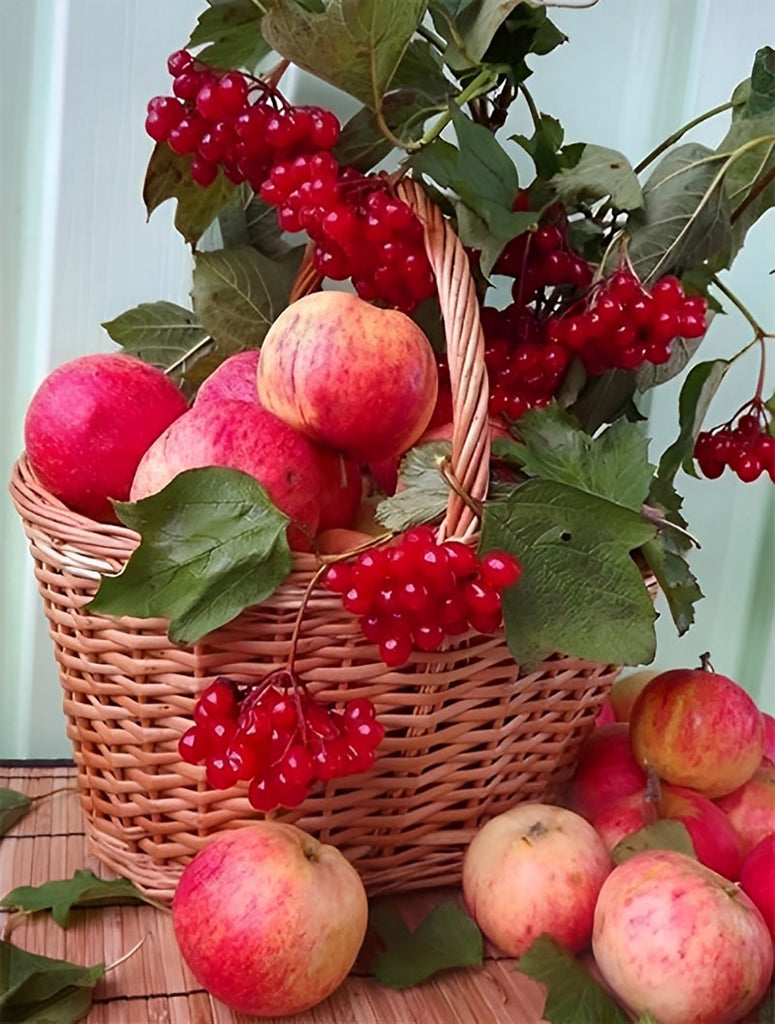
x,y
126,956
679,133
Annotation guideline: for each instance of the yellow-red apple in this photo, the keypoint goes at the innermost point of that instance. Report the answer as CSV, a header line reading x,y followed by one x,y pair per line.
x,y
89,424
680,943
751,808
234,378
715,840
606,771
697,728
269,920
625,692
757,879
531,870
349,375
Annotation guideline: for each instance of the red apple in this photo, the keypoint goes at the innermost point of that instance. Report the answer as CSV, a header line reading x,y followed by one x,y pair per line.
x,y
241,436
349,375
715,841
680,943
606,715
757,879
534,869
234,378
697,728
341,490
624,816
606,771
626,690
269,920
89,424
769,737
751,808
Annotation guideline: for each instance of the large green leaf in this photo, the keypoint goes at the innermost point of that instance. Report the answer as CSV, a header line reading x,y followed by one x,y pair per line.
x,y
13,807
580,593
355,45
168,176
39,990
666,834
231,35
213,543
685,216
162,333
697,392
599,173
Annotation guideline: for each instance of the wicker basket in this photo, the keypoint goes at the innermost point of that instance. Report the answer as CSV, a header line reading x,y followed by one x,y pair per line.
x,y
467,734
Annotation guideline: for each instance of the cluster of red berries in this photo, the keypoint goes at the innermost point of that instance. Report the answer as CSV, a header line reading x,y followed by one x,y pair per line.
x,y
278,738
746,446
542,259
416,593
233,121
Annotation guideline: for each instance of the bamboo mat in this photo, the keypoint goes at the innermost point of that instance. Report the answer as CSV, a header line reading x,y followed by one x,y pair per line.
x,y
155,987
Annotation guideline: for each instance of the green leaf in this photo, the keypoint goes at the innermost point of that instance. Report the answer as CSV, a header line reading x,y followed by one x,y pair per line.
x,y
675,579
543,146
698,390
362,144
603,399
232,32
161,333
213,544
238,293
666,834
168,176
613,465
38,990
685,217
426,491
599,173
475,24
651,375
446,938
580,593
248,220
421,70
572,995
354,45
83,890
13,807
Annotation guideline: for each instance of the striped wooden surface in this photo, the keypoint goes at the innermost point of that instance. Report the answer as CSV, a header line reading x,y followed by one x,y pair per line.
x,y
155,987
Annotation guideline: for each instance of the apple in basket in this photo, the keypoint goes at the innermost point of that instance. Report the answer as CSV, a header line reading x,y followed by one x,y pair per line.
x,y
269,920
89,424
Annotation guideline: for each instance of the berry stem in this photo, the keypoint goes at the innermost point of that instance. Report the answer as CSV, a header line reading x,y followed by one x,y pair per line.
x,y
757,327
680,132
482,83
531,106
273,76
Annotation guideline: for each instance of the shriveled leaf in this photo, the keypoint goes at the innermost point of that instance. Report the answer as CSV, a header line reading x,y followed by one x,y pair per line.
x,y
543,146
13,807
39,990
355,45
572,994
685,216
696,394
213,544
599,173
426,492
675,579
666,834
161,333
612,465
580,593
84,889
238,293
231,35
446,938
168,176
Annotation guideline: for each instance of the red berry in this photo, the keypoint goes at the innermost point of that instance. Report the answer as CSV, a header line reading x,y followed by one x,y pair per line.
x,y
194,745
219,700
481,599
461,558
338,578
178,62
395,648
428,637
262,795
220,772
499,570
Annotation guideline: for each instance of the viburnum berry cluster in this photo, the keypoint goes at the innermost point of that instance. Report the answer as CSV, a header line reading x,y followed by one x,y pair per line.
x,y
744,444
277,737
414,594
244,126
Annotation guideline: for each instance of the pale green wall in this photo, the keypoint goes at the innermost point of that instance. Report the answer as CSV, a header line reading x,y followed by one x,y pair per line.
x,y
76,250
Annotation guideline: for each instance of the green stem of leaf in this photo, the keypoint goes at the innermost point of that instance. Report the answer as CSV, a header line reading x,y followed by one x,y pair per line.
x,y
432,38
204,343
679,133
531,106
482,83
758,330
755,192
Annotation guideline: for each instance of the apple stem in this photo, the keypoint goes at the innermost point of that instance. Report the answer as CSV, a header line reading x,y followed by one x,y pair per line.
x,y
705,663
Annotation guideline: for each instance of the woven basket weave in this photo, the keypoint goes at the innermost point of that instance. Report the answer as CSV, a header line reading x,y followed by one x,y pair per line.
x,y
467,733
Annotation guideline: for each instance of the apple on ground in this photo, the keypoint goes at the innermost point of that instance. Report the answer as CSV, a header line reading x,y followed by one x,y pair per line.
x,y
349,375
679,942
751,808
234,378
89,424
269,920
715,840
697,728
606,771
534,869
757,879
625,692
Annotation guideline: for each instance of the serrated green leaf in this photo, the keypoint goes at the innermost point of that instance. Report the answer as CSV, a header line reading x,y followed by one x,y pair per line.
x,y
248,220
613,465
543,146
231,36
39,990
238,293
213,544
698,390
676,581
162,333
354,45
599,173
83,890
685,216
446,938
13,807
168,176
666,834
426,491
572,995
580,593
